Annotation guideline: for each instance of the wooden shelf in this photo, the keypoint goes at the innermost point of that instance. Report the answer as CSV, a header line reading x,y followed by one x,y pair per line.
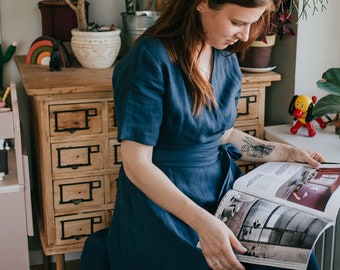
x,y
260,77
326,142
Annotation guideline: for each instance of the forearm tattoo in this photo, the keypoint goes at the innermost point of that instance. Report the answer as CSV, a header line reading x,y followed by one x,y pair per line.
x,y
256,150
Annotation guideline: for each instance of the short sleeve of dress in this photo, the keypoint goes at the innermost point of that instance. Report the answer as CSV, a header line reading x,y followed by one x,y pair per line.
x,y
138,83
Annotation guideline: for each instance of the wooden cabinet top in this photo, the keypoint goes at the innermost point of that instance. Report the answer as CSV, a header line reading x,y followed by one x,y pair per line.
x,y
38,80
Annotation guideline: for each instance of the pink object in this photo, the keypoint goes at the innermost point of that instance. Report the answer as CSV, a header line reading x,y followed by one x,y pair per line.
x,y
2,104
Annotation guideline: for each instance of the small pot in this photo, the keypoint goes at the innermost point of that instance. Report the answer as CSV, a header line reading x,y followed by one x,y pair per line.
x,y
259,53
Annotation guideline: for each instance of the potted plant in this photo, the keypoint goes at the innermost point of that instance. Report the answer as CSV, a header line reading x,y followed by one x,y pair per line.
x,y
329,104
280,24
93,45
58,19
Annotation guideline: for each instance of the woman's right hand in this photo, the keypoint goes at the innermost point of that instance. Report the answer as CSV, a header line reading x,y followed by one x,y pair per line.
x,y
218,244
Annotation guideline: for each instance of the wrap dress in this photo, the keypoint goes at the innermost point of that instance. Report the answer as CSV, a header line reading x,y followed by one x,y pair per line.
x,y
153,107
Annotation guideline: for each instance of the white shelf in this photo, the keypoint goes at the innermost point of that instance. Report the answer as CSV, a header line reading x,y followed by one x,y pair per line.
x,y
15,197
17,180
326,142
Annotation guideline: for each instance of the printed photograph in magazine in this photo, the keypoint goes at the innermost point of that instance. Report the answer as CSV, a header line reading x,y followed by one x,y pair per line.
x,y
274,234
280,209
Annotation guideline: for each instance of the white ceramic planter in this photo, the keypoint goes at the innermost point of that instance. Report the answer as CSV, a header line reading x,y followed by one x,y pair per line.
x,y
96,49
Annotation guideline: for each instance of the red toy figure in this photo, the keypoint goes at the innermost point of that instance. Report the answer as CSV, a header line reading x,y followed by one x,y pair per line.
x,y
301,107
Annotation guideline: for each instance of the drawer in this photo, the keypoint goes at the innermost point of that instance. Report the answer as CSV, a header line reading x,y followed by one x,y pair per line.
x,y
84,118
77,156
111,118
248,106
78,192
115,156
74,229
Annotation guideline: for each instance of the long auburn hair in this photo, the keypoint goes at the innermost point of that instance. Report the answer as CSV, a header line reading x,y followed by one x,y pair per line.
x,y
181,31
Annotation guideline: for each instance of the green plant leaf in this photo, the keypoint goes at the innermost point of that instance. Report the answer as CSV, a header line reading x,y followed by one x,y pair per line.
x,y
330,81
327,105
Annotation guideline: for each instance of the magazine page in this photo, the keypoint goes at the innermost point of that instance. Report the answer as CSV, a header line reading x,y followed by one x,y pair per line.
x,y
296,185
274,234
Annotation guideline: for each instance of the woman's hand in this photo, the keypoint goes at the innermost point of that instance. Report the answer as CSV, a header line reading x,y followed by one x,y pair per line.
x,y
218,243
313,158
216,239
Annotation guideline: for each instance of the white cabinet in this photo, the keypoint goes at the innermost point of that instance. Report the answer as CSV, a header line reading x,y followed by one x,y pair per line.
x,y
15,200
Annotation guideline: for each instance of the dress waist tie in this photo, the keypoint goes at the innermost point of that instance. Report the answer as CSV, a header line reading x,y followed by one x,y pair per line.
x,y
229,153
186,156
202,155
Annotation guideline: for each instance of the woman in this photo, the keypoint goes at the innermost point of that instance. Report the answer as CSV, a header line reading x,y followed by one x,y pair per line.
x,y
176,95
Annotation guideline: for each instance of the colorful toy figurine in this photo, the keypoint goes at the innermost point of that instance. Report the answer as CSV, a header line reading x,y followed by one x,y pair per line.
x,y
301,108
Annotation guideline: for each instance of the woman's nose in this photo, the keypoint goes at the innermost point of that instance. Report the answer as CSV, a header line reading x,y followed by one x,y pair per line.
x,y
243,35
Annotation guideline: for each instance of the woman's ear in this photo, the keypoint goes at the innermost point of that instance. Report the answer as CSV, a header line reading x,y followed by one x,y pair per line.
x,y
201,6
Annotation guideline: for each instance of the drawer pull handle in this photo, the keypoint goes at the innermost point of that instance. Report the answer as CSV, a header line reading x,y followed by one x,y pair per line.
x,y
76,201
80,236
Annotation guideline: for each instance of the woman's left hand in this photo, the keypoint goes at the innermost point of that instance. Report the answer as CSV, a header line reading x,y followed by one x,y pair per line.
x,y
313,158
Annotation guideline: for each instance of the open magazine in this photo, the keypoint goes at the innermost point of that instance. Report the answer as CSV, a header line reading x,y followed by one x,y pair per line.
x,y
279,210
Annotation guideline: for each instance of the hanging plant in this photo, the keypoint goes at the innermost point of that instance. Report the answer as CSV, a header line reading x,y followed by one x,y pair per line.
x,y
282,18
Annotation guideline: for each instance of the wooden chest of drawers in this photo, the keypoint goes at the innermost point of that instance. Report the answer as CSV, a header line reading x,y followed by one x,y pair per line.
x,y
79,160
78,155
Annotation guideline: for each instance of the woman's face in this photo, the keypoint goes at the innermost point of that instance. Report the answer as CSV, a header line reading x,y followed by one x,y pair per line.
x,y
226,26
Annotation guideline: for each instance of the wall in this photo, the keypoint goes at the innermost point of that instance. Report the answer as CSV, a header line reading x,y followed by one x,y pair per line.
x,y
279,94
302,60
19,22
317,48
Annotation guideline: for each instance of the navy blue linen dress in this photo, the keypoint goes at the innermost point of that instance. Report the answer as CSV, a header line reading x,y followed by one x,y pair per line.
x,y
152,107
